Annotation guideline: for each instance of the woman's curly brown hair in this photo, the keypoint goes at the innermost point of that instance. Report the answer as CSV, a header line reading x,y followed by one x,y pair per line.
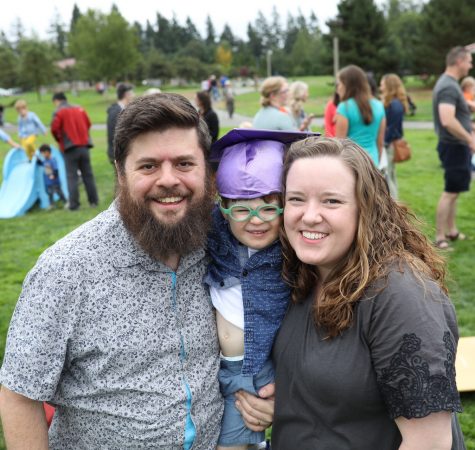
x,y
387,234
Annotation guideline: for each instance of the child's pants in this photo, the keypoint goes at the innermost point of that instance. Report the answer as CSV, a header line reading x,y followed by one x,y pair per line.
x,y
28,144
231,380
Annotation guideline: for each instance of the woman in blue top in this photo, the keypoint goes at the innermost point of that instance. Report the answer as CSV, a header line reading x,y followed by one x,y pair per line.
x,y
396,105
359,116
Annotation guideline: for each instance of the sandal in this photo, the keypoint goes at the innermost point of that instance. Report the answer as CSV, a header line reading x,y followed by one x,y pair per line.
x,y
443,244
456,237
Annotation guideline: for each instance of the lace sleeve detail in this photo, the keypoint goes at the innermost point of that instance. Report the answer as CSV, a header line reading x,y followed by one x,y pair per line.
x,y
408,387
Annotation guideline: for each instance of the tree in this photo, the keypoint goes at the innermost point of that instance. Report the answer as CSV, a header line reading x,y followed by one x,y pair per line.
x,y
210,32
443,26
360,28
10,65
58,34
36,64
74,18
224,56
105,46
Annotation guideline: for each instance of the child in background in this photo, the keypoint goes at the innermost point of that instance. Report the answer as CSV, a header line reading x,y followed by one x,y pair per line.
x,y
51,176
2,109
29,127
244,276
468,88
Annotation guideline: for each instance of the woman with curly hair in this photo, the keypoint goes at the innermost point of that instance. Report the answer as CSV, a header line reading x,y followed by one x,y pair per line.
x,y
395,103
365,356
359,115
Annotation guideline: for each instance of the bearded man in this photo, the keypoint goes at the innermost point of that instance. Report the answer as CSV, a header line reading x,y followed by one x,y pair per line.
x,y
113,326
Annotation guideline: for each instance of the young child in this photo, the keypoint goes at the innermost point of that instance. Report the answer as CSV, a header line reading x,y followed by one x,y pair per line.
x,y
51,175
29,127
244,276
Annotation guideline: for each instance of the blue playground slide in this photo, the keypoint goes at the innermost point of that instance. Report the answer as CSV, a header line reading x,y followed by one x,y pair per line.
x,y
23,183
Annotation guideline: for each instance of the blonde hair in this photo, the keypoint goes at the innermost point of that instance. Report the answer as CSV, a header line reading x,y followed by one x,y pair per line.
x,y
297,89
393,88
387,234
271,85
21,104
467,83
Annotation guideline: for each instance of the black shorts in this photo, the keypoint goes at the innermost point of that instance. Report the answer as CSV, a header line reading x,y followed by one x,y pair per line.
x,y
456,161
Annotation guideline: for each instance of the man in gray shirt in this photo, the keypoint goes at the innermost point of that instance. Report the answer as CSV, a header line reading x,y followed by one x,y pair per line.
x,y
456,144
113,326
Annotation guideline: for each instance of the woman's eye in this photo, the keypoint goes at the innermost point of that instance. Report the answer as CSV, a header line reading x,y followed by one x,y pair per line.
x,y
332,201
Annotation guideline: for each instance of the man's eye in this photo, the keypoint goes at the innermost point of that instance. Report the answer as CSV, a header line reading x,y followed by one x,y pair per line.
x,y
148,166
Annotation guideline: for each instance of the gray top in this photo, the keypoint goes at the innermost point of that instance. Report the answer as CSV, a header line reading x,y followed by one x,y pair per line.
x,y
118,342
397,359
270,118
447,90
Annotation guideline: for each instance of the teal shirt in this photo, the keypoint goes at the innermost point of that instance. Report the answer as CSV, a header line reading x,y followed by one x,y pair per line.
x,y
270,118
365,136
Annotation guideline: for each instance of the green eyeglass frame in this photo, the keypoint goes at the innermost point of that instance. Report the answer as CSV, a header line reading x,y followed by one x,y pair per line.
x,y
266,212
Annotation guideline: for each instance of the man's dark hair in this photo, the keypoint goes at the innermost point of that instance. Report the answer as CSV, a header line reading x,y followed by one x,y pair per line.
x,y
455,54
45,148
59,96
157,112
122,89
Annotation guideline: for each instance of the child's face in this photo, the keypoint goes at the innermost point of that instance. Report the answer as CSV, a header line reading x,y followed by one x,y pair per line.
x,y
254,232
46,155
22,110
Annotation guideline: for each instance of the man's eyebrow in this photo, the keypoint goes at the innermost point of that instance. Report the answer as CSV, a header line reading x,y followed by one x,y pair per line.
x,y
148,159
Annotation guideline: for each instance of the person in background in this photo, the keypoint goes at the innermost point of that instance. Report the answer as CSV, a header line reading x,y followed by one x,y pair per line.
x,y
203,102
6,138
29,127
125,94
395,103
360,116
298,96
273,114
229,97
329,116
453,125
365,356
51,176
2,109
70,127
468,88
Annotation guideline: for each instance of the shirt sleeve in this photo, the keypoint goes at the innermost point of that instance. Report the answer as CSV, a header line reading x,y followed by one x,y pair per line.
x,y
4,136
38,335
39,124
412,335
448,95
342,109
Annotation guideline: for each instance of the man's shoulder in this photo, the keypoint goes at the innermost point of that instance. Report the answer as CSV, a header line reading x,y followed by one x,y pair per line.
x,y
91,245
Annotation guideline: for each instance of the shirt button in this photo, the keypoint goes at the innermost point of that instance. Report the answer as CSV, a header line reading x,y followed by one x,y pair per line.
x,y
244,273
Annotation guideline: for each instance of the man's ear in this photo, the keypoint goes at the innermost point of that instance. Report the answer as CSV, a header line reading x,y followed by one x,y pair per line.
x,y
120,175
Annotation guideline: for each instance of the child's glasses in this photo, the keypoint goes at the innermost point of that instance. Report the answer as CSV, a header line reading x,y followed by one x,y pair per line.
x,y
241,213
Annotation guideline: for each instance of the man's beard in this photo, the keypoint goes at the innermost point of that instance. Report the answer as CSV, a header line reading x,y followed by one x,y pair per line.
x,y
161,240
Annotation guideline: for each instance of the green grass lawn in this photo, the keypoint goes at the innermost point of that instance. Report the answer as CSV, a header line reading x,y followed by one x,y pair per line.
x,y
321,89
23,239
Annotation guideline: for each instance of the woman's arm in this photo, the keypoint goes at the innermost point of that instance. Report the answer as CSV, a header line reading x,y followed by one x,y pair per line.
x,y
257,412
341,126
433,432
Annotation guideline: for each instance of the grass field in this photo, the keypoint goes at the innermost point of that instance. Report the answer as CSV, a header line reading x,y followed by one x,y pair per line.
x,y
23,239
321,89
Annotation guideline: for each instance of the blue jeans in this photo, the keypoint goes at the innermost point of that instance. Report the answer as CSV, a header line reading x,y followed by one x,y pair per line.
x,y
231,380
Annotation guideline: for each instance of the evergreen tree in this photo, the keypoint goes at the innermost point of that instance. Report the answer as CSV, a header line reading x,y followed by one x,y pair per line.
x,y
360,28
10,65
444,25
227,36
75,17
59,35
210,32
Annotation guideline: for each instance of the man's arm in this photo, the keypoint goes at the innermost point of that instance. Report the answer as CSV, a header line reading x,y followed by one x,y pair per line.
x,y
56,127
433,432
453,126
257,412
24,422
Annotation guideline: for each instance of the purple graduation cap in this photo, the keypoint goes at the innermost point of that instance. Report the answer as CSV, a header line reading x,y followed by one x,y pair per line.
x,y
251,161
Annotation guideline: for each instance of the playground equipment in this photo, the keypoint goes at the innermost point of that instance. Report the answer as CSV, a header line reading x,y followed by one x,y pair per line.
x,y
23,183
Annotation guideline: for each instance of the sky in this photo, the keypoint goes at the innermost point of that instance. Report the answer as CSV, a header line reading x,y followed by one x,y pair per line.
x,y
37,15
